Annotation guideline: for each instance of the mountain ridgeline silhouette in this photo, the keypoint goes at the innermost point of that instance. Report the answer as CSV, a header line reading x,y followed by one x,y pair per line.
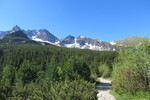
x,y
43,36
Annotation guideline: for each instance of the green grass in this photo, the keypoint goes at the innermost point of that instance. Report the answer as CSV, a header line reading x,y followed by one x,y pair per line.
x,y
140,95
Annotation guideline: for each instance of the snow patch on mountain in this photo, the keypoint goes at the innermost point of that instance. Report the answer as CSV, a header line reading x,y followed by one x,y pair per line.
x,y
41,35
82,42
35,38
112,42
73,45
82,37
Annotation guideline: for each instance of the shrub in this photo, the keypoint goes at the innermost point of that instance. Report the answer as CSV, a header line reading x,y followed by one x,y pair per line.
x,y
66,90
131,70
104,70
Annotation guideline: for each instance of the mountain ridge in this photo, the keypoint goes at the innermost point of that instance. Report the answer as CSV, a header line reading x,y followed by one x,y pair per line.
x,y
17,36
80,42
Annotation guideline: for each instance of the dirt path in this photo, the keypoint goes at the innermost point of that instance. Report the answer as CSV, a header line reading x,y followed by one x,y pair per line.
x,y
103,89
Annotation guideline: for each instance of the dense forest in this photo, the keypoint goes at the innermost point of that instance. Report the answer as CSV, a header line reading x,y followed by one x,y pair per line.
x,y
38,72
47,72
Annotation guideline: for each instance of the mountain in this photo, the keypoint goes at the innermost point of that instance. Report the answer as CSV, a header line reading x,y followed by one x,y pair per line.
x,y
81,42
42,35
18,35
129,41
15,28
68,40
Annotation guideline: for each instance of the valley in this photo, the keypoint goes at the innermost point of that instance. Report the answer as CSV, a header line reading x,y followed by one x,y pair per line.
x,y
74,49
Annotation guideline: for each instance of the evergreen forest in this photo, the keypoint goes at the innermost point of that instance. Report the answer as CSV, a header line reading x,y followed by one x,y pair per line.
x,y
47,72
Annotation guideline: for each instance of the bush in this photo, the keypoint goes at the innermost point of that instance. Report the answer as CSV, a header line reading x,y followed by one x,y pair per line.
x,y
131,70
75,90
66,90
139,95
104,70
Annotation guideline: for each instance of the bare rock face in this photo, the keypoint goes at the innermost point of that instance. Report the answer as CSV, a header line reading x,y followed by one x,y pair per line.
x,y
81,42
15,28
41,35
68,40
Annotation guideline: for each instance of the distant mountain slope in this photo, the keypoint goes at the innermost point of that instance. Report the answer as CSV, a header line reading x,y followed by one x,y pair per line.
x,y
18,35
84,43
130,41
68,40
41,35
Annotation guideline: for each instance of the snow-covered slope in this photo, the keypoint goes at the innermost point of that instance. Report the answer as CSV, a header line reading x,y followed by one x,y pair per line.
x,y
112,42
82,42
41,35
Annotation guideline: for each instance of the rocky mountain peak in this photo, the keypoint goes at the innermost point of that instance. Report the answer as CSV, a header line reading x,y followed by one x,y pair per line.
x,y
15,28
43,31
81,37
70,37
42,35
68,40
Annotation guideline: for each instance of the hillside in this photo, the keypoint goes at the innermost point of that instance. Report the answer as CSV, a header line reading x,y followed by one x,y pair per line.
x,y
130,41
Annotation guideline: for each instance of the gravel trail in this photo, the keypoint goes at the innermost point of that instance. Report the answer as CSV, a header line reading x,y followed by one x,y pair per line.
x,y
103,88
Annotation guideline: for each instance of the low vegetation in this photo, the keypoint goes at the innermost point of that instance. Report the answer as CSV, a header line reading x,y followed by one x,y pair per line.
x,y
131,74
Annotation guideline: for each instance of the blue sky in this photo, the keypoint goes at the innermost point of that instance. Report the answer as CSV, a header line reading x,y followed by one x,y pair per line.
x,y
99,19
